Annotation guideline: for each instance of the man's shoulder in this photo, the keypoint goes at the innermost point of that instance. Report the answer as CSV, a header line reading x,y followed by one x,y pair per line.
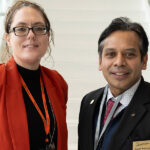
x,y
93,94
147,84
144,85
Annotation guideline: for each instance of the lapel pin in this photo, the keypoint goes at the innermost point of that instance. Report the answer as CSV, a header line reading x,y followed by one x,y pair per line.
x,y
92,101
133,115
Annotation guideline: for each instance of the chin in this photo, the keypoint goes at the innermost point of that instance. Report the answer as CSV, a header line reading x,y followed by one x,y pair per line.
x,y
31,59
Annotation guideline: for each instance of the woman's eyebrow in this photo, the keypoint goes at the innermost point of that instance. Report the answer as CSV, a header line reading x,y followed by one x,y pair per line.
x,y
26,24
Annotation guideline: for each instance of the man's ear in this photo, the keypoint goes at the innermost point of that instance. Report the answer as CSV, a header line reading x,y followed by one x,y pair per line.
x,y
7,38
144,62
100,61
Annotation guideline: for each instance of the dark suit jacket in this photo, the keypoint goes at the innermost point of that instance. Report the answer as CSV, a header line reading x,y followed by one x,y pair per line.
x,y
134,124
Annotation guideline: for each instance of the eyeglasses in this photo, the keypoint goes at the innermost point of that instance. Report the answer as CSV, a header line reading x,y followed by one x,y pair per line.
x,y
23,31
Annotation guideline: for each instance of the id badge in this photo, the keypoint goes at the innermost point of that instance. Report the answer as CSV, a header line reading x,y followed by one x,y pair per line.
x,y
141,145
51,146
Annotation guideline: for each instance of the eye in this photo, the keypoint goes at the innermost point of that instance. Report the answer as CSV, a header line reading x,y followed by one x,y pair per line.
x,y
130,54
20,29
110,54
39,28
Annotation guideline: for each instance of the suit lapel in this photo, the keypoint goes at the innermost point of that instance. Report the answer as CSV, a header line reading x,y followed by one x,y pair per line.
x,y
16,112
132,115
93,106
128,122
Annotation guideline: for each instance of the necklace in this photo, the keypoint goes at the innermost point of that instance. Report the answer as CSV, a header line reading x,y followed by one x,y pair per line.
x,y
46,121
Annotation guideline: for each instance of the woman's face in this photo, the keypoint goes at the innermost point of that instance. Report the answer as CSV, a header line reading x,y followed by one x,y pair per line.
x,y
28,50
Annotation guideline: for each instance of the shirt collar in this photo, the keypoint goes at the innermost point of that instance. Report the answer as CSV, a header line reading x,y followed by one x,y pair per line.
x,y
127,95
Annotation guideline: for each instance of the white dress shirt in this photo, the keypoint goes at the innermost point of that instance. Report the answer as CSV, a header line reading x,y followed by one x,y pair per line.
x,y
126,97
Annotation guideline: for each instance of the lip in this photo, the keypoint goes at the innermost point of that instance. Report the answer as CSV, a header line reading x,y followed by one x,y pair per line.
x,y
120,75
30,45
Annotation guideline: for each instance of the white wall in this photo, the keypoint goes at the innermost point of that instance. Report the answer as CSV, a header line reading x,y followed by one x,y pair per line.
x,y
4,4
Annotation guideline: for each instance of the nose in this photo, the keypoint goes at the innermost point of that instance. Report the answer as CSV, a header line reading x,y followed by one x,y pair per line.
x,y
31,34
120,60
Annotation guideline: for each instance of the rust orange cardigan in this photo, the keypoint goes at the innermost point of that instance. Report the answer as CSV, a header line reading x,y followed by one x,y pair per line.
x,y
14,133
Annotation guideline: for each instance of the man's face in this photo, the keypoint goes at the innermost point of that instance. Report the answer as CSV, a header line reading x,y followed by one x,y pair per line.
x,y
121,61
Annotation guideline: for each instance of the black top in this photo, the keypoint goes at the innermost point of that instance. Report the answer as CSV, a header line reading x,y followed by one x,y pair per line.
x,y
37,133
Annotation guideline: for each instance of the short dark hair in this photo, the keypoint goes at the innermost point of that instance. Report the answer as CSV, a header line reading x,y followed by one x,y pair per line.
x,y
124,24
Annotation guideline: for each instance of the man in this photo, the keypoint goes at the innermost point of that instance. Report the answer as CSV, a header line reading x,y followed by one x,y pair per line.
x,y
117,117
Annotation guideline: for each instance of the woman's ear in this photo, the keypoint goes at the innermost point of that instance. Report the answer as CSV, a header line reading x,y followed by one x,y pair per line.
x,y
7,38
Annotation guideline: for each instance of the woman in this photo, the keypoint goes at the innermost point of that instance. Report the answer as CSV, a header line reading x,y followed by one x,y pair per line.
x,y
32,97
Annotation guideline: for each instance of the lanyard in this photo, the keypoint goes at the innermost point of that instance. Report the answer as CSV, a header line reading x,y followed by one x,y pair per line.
x,y
98,135
46,121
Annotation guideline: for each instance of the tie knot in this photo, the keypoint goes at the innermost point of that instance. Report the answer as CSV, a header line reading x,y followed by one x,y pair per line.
x,y
110,103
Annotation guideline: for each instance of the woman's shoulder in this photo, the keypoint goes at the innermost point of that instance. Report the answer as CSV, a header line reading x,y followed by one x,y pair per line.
x,y
56,79
53,74
2,65
2,68
2,73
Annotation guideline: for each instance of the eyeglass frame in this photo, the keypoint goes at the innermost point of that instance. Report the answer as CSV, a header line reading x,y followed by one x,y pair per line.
x,y
29,28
